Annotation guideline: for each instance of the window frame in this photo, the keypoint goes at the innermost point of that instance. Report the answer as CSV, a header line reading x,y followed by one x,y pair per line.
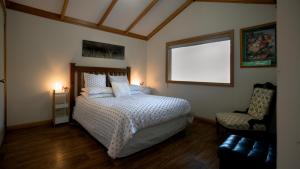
x,y
214,37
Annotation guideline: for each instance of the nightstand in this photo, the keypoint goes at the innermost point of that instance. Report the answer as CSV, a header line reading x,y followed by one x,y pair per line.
x,y
60,107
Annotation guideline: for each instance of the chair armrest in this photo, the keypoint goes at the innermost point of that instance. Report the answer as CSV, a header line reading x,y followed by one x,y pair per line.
x,y
238,111
252,122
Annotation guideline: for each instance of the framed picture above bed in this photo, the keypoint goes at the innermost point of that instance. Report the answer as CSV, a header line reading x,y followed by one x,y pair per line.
x,y
258,46
102,50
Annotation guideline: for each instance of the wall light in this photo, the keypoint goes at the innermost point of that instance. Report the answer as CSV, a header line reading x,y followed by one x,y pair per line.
x,y
137,82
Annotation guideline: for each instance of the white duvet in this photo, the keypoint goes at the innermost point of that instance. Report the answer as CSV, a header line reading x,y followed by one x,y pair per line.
x,y
120,118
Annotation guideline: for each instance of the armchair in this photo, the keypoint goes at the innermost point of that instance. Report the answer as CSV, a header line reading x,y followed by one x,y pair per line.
x,y
255,119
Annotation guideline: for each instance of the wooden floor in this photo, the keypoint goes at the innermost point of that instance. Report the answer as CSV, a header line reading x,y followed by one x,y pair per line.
x,y
70,147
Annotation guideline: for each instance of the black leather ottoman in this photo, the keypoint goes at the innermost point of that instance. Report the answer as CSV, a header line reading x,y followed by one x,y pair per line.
x,y
238,152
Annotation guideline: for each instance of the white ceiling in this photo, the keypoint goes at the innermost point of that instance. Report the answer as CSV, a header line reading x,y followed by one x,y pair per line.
x,y
121,16
156,15
125,12
47,5
90,10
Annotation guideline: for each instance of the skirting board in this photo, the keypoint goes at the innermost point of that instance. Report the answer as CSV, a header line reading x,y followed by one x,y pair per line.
x,y
29,125
204,120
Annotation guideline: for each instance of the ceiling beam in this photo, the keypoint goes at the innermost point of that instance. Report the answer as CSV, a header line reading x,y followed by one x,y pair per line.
x,y
142,14
64,9
67,19
170,18
107,12
241,1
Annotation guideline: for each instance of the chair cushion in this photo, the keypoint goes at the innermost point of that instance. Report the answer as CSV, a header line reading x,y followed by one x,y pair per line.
x,y
260,103
237,121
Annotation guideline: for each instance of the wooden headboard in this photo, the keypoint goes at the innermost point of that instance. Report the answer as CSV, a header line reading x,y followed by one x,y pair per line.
x,y
77,82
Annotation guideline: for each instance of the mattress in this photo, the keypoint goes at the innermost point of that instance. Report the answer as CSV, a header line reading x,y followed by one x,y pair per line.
x,y
120,123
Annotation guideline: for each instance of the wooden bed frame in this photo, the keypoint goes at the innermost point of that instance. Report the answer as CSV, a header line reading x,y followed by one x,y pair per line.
x,y
77,81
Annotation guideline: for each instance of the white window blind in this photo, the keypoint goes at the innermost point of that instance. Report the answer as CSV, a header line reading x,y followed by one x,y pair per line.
x,y
203,61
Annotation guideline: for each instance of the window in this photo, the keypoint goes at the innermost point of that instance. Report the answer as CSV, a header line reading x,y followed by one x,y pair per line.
x,y
204,60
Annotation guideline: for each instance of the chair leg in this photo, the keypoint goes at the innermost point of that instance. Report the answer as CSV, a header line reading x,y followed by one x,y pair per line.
x,y
219,132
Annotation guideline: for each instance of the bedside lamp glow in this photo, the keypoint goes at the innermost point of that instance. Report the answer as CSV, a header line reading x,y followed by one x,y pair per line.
x,y
58,87
137,82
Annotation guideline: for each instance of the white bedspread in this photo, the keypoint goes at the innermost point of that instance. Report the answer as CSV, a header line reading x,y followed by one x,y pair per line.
x,y
120,118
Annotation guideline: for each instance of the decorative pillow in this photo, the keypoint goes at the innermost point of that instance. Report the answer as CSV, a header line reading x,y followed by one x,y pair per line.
x,y
98,90
133,92
135,88
146,90
93,80
120,89
118,79
260,103
91,96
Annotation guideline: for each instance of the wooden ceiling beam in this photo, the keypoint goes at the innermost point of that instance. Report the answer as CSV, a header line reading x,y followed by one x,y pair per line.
x,y
107,12
170,18
141,15
99,26
67,19
241,1
64,9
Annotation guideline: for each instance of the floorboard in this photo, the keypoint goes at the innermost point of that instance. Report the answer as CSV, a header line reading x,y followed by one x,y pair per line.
x,y
70,147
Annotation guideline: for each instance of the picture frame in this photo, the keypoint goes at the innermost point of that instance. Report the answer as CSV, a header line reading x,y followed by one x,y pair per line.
x,y
102,50
258,46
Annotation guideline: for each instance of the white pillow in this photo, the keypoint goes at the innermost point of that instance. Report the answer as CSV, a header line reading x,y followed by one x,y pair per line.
x,y
133,92
93,80
98,90
120,89
118,79
135,88
146,90
91,96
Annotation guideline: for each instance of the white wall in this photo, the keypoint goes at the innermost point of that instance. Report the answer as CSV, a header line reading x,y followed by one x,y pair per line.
x,y
204,18
288,103
39,53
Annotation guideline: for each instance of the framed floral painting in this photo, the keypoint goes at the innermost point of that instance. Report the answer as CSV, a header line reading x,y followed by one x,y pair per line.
x,y
258,46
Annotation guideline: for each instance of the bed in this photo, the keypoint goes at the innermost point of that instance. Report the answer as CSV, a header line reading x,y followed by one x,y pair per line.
x,y
126,125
